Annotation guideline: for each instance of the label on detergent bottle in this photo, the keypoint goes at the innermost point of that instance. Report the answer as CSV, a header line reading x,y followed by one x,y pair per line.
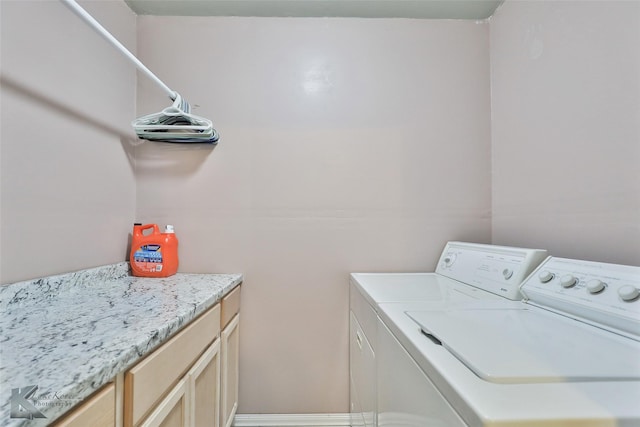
x,y
148,258
153,254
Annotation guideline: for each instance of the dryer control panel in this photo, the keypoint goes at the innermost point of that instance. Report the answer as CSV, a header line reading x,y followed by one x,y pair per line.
x,y
607,295
496,269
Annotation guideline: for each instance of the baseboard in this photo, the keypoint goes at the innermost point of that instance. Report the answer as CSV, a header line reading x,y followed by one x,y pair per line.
x,y
292,420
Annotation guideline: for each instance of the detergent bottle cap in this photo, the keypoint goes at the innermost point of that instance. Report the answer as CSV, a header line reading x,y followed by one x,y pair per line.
x,y
169,229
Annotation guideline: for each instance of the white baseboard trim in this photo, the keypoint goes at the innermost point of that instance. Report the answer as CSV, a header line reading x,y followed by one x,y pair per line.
x,y
292,420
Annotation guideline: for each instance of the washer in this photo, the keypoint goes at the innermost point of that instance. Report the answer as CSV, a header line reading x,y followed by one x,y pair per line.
x,y
567,355
388,387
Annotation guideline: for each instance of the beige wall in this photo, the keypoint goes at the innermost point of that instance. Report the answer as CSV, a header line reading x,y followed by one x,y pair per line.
x,y
565,82
67,184
347,145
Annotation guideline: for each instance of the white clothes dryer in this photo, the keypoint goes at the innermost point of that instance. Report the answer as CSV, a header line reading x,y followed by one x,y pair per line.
x,y
567,355
388,388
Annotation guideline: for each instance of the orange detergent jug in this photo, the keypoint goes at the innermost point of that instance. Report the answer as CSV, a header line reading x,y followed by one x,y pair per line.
x,y
154,254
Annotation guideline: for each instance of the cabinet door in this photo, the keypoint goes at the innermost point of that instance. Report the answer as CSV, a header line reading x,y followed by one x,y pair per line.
x,y
172,411
204,388
230,339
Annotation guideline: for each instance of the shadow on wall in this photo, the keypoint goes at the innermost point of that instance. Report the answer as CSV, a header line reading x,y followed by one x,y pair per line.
x,y
128,140
168,159
141,154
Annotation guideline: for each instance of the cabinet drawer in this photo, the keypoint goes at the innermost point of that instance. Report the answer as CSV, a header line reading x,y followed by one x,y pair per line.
x,y
230,306
146,383
98,411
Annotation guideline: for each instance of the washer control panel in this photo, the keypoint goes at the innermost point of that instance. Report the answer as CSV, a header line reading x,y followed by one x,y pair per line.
x,y
600,293
496,269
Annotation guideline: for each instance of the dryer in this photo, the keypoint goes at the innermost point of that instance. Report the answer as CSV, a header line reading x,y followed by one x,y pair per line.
x,y
387,386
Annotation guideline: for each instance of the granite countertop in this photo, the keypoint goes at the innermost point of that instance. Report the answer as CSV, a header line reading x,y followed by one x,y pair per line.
x,y
70,334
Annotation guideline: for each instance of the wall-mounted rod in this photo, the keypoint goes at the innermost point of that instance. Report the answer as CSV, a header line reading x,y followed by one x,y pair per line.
x,y
78,10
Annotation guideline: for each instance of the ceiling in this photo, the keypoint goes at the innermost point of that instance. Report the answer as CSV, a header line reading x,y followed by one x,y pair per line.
x,y
418,9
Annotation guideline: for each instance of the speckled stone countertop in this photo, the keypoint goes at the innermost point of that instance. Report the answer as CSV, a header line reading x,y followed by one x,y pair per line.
x,y
70,334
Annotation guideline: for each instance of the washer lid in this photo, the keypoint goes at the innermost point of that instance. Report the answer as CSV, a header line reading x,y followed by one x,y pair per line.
x,y
530,345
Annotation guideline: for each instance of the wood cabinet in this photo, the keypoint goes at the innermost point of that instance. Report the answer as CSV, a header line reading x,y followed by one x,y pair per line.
x,y
195,400
189,381
172,411
97,411
151,379
204,389
229,349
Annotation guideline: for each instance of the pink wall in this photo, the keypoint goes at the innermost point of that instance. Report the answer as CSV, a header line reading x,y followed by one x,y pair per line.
x,y
347,145
565,84
67,182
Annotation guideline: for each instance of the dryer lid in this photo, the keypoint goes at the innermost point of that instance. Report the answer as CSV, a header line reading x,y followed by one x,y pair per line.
x,y
530,345
427,287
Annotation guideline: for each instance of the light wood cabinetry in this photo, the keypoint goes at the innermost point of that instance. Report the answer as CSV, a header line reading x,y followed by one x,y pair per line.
x,y
230,306
229,349
189,381
97,411
230,339
146,383
192,380
195,400
172,411
204,389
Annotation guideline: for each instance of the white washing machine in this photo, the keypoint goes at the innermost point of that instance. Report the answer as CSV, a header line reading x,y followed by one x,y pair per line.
x,y
388,387
567,355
